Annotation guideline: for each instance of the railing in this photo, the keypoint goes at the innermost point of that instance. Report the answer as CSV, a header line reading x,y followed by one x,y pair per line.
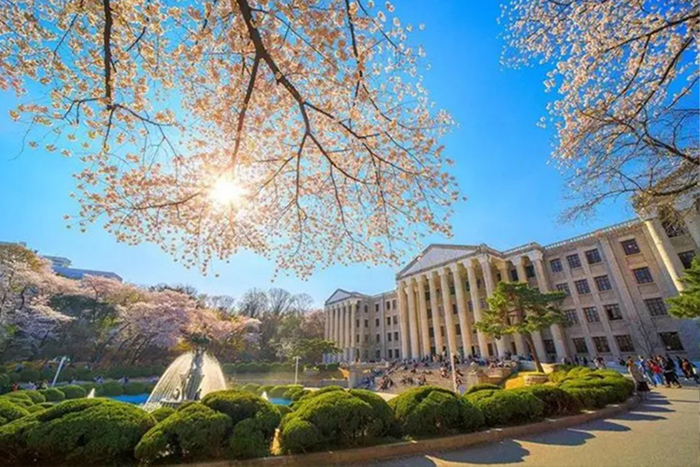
x,y
595,233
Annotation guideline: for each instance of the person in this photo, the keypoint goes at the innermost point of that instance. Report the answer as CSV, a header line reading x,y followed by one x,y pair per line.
x,y
31,385
585,361
638,377
646,369
670,373
656,371
44,385
15,387
689,370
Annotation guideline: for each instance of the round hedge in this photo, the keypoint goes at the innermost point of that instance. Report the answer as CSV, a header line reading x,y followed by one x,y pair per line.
x,y
283,410
110,389
431,410
135,387
78,432
593,393
240,405
10,412
53,394
334,419
482,387
34,395
556,401
193,433
265,388
161,413
506,407
248,440
20,398
73,391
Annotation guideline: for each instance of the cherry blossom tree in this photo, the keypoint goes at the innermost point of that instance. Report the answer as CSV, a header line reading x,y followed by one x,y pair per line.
x,y
627,75
296,129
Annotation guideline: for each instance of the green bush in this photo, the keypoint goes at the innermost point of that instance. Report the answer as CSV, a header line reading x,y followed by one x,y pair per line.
x,y
338,419
594,393
34,395
329,367
89,386
283,409
78,432
110,388
229,368
240,405
264,388
20,398
73,391
250,387
556,401
248,440
135,387
52,394
506,407
29,375
161,413
482,387
278,391
193,433
10,412
324,390
36,408
431,410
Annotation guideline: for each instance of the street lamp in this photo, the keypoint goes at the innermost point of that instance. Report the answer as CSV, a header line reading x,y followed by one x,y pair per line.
x,y
296,369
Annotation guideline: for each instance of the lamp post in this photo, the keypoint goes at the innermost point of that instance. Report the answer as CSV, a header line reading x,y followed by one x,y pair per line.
x,y
296,369
454,372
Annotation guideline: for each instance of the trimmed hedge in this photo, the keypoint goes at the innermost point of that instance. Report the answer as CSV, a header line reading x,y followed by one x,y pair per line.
x,y
594,393
73,391
482,387
240,405
431,410
53,394
135,387
21,398
248,440
194,433
556,401
161,413
506,407
79,432
10,412
110,388
334,419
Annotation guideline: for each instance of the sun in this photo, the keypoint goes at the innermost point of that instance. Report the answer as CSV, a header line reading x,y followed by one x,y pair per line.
x,y
226,191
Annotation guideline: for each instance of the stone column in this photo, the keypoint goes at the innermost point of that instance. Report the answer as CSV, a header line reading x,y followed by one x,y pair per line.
x,y
557,332
476,305
423,310
668,255
519,346
447,312
353,329
403,318
348,331
490,287
412,318
536,335
464,324
437,319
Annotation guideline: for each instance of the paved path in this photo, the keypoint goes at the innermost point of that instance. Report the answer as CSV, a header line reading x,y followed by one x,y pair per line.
x,y
663,431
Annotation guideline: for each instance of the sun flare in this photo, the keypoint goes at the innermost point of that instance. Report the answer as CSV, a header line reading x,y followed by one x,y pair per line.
x,y
227,191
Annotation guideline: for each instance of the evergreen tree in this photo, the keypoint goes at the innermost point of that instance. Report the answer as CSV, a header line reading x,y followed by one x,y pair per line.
x,y
687,304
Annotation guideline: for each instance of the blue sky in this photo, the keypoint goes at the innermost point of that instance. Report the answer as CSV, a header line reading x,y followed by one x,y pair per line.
x,y
501,156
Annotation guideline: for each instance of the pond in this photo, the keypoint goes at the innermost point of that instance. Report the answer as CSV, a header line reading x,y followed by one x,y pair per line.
x,y
140,399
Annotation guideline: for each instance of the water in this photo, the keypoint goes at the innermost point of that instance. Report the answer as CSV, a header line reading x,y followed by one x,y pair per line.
x,y
173,385
280,401
137,399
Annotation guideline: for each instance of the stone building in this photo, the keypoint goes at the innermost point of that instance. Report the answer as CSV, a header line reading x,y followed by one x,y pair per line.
x,y
617,280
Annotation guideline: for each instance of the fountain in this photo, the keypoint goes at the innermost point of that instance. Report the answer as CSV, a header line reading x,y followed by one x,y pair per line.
x,y
91,394
190,377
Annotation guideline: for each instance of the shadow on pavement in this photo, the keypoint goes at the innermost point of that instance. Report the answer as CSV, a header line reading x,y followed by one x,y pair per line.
x,y
507,451
639,417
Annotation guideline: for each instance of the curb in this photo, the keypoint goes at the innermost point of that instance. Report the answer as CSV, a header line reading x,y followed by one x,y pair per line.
x,y
424,446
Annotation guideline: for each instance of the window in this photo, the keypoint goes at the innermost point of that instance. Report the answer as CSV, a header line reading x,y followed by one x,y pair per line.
x,y
482,303
671,340
555,265
454,308
580,345
442,331
388,336
357,323
656,306
513,275
593,256
624,342
390,353
431,332
673,229
591,314
642,275
376,307
582,287
376,322
395,320
366,308
377,354
630,246
366,323
471,306
357,338
686,258
603,283
458,330
549,346
388,321
601,344
466,286
564,288
427,295
452,289
378,337
387,305
393,304
529,271
574,261
613,312
571,316
396,335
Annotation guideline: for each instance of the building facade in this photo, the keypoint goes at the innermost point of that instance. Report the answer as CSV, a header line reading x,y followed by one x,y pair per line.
x,y
616,282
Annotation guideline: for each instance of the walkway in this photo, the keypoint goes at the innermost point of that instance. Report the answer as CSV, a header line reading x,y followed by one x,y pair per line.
x,y
663,431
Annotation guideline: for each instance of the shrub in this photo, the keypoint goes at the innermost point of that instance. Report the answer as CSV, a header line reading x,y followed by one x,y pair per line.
x,y
73,391
385,420
250,387
297,395
240,405
52,394
36,408
265,388
193,433
161,413
556,401
29,374
20,398
506,407
135,387
79,432
278,391
595,393
335,419
248,440
430,410
34,395
229,368
89,386
10,412
111,388
324,390
283,409
482,387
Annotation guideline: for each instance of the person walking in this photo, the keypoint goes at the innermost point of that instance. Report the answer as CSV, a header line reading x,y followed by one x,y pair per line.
x,y
670,374
689,370
656,372
638,377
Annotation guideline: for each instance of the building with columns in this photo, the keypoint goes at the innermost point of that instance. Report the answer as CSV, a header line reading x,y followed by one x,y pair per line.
x,y
616,279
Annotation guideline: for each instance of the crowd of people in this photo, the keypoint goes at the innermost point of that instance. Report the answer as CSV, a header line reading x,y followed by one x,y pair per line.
x,y
658,370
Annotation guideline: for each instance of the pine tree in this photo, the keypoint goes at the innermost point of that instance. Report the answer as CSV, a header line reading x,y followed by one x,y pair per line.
x,y
687,304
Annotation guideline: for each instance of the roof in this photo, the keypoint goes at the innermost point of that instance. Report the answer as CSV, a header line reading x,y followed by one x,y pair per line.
x,y
73,273
339,295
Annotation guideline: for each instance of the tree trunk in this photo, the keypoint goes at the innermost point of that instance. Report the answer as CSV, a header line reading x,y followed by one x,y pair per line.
x,y
533,351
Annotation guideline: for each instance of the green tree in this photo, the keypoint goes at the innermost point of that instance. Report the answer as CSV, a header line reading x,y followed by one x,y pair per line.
x,y
687,304
312,350
516,307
